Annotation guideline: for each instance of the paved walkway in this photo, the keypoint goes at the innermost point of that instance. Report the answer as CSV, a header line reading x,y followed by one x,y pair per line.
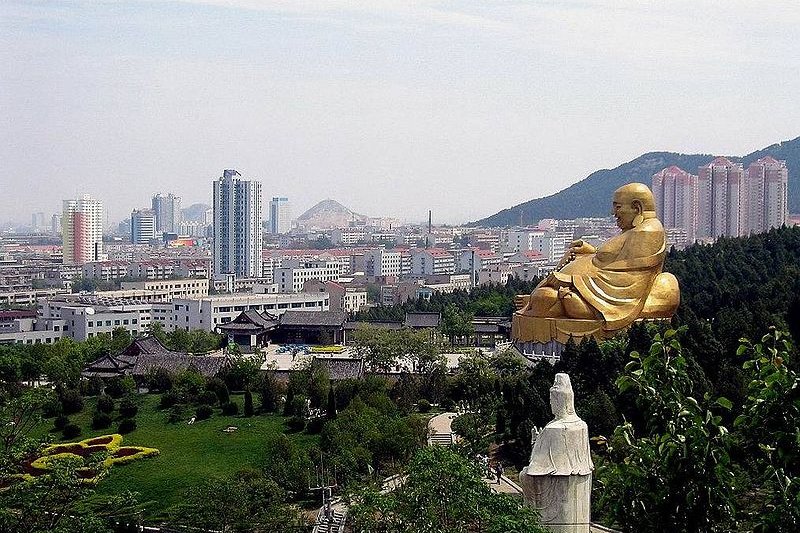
x,y
441,433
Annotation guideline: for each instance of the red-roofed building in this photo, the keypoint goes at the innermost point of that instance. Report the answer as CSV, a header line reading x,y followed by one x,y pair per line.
x,y
426,261
720,187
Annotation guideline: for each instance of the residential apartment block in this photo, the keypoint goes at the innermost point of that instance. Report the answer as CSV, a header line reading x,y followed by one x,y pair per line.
x,y
238,240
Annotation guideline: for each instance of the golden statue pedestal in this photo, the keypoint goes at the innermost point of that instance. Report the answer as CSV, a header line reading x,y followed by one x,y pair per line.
x,y
543,330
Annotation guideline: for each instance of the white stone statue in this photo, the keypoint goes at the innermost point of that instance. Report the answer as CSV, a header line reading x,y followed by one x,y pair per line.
x,y
558,480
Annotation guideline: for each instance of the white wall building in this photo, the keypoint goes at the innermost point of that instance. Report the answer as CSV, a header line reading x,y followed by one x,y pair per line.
x,y
143,226
238,240
280,215
432,261
208,312
294,273
82,230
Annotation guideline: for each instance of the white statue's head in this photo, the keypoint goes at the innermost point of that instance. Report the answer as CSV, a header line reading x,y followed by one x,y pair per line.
x,y
562,399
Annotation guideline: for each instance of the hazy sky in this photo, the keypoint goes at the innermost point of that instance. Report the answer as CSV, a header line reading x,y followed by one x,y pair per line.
x,y
391,108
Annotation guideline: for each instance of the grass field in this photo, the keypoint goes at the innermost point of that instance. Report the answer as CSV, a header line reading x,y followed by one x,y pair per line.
x,y
189,453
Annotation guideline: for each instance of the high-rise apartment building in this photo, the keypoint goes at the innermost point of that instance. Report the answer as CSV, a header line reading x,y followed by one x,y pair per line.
x,y
143,226
767,182
82,230
167,210
238,240
675,192
280,215
720,199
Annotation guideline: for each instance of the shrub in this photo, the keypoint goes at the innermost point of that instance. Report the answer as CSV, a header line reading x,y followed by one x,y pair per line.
x,y
314,426
93,386
230,408
424,406
203,412
119,387
71,401
248,403
128,409
176,414
127,425
71,431
159,380
206,398
60,422
218,387
448,404
296,423
105,403
52,406
168,399
101,420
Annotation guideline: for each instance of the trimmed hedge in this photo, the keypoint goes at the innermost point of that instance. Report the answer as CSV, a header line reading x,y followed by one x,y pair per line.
x,y
101,420
71,431
127,425
203,412
230,408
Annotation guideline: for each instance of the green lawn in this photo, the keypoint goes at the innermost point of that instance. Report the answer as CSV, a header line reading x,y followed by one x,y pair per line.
x,y
189,453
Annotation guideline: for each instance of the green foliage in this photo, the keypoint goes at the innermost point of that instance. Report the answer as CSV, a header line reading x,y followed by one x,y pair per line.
x,y
71,431
456,324
126,425
105,404
443,492
769,434
269,392
204,412
230,409
128,408
246,502
423,406
101,420
248,403
71,401
678,470
382,348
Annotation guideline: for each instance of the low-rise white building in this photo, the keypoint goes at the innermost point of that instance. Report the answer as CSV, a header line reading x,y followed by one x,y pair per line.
x,y
210,311
293,274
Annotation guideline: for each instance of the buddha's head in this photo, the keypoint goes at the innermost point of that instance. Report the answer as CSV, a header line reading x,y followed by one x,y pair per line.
x,y
631,203
562,399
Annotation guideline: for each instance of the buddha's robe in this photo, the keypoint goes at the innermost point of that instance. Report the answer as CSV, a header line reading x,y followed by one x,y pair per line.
x,y
617,279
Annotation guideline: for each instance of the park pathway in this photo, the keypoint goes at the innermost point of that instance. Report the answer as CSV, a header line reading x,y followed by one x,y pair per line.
x,y
440,432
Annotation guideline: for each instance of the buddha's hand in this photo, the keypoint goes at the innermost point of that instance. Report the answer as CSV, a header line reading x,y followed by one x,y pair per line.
x,y
521,301
580,247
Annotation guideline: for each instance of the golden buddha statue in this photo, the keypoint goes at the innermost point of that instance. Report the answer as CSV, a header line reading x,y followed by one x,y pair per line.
x,y
600,291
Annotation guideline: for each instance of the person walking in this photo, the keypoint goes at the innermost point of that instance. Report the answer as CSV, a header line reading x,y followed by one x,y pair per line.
x,y
499,472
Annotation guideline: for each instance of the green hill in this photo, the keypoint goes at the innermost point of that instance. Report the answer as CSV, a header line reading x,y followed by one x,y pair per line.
x,y
592,196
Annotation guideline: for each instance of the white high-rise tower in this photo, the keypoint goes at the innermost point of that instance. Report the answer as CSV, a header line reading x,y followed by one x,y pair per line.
x,y
82,230
238,240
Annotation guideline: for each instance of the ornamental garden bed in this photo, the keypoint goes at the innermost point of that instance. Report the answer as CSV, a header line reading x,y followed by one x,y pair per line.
x,y
84,452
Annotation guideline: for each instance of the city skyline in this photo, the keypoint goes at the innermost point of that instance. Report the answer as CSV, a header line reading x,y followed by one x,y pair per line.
x,y
376,105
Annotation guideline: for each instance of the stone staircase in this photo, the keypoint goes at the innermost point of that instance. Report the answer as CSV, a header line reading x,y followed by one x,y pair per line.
x,y
441,439
334,524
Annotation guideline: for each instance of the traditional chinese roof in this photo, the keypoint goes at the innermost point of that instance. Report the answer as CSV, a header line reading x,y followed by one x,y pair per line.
x,y
342,367
422,320
313,318
250,321
207,365
352,326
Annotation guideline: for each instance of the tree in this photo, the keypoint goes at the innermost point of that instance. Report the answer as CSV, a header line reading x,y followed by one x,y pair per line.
x,y
443,492
248,403
678,471
456,324
769,434
247,502
21,415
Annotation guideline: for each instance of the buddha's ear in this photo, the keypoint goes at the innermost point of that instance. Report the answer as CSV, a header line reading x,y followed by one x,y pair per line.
x,y
637,205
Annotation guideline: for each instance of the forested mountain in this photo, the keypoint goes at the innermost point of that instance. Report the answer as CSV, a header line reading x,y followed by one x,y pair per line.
x,y
592,195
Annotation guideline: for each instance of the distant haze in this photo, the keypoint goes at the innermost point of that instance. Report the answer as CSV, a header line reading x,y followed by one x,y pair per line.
x,y
391,108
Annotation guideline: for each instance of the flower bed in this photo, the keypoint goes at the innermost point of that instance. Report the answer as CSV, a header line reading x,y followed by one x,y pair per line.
x,y
327,349
83,450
